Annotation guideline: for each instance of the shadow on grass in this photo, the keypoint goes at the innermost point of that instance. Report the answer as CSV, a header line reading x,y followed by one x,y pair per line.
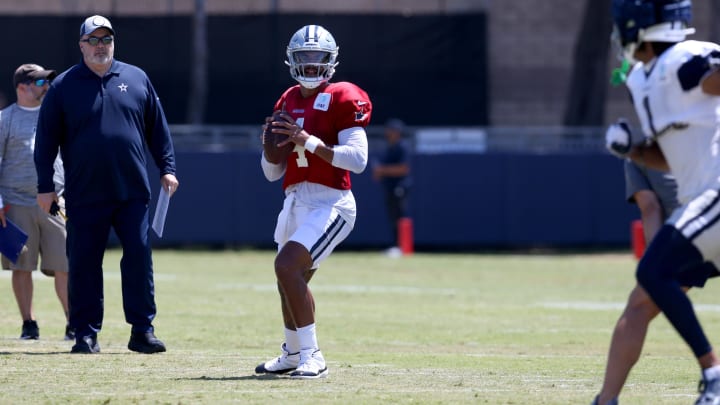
x,y
259,377
101,353
34,353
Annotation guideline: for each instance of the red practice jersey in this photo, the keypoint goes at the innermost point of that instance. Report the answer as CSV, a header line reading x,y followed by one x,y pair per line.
x,y
336,107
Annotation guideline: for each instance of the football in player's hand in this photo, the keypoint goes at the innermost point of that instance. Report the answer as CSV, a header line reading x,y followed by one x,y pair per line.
x,y
273,153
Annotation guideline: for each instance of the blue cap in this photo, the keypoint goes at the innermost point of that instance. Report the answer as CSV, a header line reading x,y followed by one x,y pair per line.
x,y
395,124
94,22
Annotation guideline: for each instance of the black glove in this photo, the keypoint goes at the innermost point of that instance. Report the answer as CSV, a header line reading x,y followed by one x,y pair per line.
x,y
54,209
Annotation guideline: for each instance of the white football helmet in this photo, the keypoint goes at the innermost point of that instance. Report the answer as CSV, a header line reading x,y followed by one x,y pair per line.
x,y
311,55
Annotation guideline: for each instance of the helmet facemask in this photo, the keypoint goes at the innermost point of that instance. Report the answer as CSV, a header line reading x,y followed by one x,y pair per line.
x,y
311,68
624,50
312,56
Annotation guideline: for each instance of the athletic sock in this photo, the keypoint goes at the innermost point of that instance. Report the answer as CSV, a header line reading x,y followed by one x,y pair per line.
x,y
307,337
292,343
711,373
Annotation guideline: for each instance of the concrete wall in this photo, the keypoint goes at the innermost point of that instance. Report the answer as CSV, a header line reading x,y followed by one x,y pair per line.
x,y
530,54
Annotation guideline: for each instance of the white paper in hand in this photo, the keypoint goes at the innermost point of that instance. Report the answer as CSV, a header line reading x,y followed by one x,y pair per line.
x,y
161,212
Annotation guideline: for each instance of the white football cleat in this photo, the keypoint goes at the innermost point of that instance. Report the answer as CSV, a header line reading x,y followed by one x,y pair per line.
x,y
282,364
709,392
312,365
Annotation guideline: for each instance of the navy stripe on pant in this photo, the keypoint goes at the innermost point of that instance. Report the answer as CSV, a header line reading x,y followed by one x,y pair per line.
x,y
672,261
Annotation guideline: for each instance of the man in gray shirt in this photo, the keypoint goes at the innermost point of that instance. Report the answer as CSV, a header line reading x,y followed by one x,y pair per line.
x,y
18,203
655,194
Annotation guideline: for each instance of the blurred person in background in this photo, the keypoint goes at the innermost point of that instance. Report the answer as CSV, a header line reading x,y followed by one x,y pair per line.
x,y
392,170
655,194
18,198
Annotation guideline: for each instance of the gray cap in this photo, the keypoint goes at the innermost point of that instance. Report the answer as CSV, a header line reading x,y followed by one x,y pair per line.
x,y
94,22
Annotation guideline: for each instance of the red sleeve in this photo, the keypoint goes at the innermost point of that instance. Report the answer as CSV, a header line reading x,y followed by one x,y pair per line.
x,y
352,106
280,104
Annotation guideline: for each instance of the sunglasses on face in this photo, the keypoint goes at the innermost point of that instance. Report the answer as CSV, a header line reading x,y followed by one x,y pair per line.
x,y
39,82
106,40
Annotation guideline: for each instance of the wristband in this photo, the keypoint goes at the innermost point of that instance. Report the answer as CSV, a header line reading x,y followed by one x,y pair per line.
x,y
312,143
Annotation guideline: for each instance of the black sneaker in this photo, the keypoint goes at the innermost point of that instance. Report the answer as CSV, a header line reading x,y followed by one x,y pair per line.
x,y
145,343
86,344
69,333
30,330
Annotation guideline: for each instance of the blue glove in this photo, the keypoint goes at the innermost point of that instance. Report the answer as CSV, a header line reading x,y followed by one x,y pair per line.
x,y
617,139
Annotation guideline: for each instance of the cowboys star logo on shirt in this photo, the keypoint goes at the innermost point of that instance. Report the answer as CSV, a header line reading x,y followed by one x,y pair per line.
x,y
360,115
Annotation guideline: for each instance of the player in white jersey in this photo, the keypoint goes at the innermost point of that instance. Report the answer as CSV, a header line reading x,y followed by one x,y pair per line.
x,y
675,86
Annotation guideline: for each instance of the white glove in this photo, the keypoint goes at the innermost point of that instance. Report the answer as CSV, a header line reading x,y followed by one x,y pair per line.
x,y
617,138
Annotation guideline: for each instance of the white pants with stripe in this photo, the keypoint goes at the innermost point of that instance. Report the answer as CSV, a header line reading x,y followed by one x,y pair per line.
x,y
699,222
316,216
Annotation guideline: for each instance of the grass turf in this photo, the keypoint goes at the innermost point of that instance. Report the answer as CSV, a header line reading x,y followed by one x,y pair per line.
x,y
430,328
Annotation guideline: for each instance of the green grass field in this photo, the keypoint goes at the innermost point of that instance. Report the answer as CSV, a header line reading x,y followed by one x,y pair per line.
x,y
430,328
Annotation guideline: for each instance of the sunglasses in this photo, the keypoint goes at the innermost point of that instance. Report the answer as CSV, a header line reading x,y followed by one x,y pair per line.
x,y
39,82
106,40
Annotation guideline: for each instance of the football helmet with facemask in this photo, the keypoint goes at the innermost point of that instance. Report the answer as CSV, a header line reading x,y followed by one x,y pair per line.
x,y
638,21
312,56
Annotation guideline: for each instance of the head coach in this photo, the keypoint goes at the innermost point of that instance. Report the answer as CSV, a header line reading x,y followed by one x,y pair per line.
x,y
102,114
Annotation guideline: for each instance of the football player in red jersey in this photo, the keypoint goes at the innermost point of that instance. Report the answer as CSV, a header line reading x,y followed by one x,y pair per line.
x,y
326,122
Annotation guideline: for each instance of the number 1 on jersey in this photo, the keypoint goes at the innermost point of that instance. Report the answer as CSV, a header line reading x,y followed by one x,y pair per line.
x,y
301,159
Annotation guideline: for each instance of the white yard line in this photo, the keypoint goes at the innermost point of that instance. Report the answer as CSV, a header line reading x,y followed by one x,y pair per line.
x,y
351,289
605,306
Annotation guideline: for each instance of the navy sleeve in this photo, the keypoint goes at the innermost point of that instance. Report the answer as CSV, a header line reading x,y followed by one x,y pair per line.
x,y
403,156
692,71
48,134
157,134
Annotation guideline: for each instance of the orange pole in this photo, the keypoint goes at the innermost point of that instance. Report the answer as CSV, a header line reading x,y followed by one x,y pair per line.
x,y
405,235
638,238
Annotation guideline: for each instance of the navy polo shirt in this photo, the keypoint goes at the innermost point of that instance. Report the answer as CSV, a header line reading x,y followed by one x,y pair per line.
x,y
102,126
395,154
